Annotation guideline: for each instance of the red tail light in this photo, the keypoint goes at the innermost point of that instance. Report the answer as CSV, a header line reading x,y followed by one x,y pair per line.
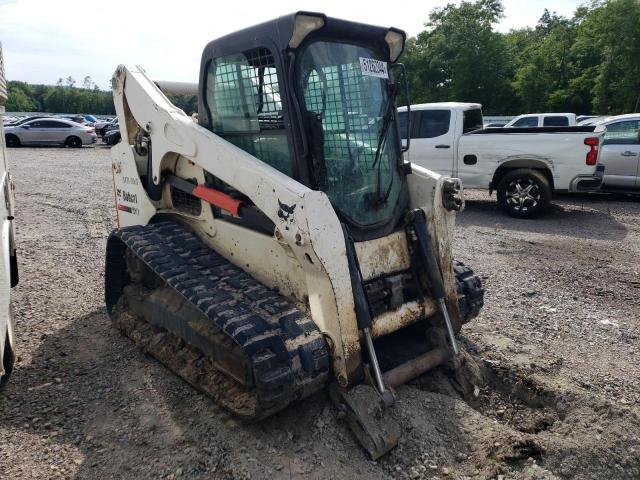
x,y
93,130
592,154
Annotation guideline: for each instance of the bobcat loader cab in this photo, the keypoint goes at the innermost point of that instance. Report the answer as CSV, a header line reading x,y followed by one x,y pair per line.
x,y
283,244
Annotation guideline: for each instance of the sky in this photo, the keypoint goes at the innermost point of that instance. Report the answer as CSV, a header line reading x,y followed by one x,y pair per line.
x,y
44,40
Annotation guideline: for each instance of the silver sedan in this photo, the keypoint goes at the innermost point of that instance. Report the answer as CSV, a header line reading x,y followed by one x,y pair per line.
x,y
50,131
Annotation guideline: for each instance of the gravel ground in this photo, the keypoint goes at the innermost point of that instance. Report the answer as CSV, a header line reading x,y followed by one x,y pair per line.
x,y
557,342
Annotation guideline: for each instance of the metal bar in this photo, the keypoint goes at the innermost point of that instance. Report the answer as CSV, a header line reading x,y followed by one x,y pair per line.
x,y
208,194
177,88
374,360
445,313
416,367
432,269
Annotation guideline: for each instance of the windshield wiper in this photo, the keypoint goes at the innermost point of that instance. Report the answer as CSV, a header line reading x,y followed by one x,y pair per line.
x,y
388,115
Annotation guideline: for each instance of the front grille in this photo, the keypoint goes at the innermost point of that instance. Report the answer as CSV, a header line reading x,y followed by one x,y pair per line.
x,y
185,202
391,291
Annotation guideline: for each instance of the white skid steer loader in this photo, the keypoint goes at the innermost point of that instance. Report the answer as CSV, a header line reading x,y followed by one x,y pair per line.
x,y
281,245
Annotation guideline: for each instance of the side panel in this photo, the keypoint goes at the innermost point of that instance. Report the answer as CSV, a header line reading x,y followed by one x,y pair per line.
x,y
6,327
4,283
620,165
425,188
620,154
563,153
6,233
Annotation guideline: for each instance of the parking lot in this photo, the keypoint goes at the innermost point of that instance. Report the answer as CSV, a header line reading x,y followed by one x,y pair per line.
x,y
559,334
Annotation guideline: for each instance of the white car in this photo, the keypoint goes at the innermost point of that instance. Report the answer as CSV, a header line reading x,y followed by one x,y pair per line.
x,y
620,153
543,120
524,166
50,131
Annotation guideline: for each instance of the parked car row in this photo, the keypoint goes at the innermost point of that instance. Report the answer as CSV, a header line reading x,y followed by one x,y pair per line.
x,y
82,119
49,131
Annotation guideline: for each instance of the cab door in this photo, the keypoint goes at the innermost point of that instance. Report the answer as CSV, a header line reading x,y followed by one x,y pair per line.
x,y
433,140
620,155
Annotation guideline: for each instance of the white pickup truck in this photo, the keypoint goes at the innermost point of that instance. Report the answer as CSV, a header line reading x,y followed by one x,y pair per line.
x,y
524,165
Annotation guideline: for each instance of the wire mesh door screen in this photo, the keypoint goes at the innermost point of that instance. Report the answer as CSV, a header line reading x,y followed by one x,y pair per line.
x,y
243,96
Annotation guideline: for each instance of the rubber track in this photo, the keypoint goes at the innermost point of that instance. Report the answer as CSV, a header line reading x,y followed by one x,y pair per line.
x,y
288,354
470,291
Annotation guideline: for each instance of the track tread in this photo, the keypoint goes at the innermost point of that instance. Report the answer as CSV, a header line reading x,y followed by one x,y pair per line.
x,y
470,291
289,355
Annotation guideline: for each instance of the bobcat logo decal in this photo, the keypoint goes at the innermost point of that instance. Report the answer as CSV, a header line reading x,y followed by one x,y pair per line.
x,y
286,211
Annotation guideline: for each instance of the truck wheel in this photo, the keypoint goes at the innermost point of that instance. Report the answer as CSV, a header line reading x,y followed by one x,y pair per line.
x,y
12,141
524,193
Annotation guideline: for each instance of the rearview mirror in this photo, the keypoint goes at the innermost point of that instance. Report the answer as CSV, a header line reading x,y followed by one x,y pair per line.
x,y
405,84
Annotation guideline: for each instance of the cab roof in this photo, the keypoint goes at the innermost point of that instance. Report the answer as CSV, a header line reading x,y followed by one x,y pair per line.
x,y
280,31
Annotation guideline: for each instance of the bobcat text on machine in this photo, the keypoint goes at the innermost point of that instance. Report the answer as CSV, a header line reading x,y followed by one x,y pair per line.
x,y
281,245
8,258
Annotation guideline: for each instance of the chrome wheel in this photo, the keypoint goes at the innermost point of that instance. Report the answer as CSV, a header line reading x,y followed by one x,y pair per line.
x,y
523,194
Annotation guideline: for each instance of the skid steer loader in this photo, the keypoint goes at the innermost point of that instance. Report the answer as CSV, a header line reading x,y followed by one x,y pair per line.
x,y
282,245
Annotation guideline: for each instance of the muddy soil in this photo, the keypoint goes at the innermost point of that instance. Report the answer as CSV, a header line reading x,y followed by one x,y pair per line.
x,y
558,342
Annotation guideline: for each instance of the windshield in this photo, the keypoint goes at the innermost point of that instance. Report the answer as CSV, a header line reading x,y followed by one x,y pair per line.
x,y
346,88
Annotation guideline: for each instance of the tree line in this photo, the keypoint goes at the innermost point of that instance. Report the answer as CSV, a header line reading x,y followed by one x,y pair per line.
x,y
64,97
589,63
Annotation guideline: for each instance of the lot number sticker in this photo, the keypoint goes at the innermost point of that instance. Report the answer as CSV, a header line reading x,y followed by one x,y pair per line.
x,y
373,68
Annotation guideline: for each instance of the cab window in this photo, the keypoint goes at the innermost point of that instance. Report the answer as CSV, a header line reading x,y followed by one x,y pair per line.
x,y
526,122
623,133
243,98
555,121
53,124
432,123
425,123
472,120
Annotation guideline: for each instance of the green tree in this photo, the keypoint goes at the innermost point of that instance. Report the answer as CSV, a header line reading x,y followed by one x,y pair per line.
x,y
460,57
18,101
612,28
543,73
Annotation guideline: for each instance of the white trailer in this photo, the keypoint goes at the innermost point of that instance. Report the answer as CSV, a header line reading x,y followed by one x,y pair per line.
x,y
8,262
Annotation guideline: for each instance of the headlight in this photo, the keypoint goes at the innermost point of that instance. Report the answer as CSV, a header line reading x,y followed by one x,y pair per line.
x,y
303,26
395,40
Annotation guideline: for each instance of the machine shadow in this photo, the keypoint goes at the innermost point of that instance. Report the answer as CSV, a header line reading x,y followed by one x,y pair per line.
x,y
89,388
582,217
